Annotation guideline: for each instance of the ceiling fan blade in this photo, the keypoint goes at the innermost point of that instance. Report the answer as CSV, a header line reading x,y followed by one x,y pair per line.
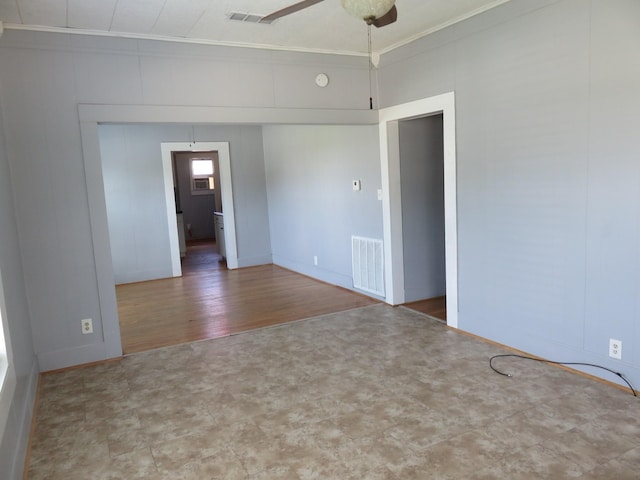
x,y
388,18
296,7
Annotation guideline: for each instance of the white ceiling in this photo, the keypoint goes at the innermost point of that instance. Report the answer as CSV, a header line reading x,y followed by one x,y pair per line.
x,y
324,27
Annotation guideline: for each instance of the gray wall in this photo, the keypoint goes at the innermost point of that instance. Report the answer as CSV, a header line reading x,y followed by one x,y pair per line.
x,y
422,178
134,191
197,209
136,204
20,403
313,210
66,274
547,119
548,160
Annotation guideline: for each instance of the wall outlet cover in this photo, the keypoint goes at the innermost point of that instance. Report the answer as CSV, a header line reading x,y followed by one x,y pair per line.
x,y
615,348
87,326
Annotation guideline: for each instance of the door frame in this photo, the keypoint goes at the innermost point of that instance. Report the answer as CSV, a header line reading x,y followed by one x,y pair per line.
x,y
392,200
90,116
226,188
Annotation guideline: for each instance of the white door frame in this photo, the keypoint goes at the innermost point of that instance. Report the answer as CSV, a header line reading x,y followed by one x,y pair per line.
x,y
224,161
391,199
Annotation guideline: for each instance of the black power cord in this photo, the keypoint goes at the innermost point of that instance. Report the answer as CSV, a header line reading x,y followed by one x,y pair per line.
x,y
551,362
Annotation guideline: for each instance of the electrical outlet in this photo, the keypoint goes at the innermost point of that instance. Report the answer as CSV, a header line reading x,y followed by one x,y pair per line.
x,y
315,260
87,326
615,348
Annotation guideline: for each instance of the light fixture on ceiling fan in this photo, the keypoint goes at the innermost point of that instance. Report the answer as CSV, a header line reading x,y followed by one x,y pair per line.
x,y
374,12
378,13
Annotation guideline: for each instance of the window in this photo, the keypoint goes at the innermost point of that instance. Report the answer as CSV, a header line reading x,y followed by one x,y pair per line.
x,y
202,176
4,364
3,345
7,375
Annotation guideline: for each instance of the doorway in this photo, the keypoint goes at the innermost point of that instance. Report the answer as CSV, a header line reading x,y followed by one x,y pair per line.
x,y
422,179
392,208
91,116
196,197
196,180
169,149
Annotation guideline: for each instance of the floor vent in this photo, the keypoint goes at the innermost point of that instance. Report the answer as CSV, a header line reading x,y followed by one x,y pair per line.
x,y
368,265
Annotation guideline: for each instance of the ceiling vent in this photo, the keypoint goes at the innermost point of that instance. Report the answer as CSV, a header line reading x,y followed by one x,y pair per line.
x,y
248,17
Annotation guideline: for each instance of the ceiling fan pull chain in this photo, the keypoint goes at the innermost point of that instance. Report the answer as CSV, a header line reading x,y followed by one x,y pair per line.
x,y
370,67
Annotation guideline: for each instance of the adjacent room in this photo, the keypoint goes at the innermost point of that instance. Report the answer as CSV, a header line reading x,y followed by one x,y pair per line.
x,y
461,178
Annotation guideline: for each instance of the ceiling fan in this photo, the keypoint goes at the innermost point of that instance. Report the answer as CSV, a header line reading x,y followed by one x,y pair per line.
x,y
378,13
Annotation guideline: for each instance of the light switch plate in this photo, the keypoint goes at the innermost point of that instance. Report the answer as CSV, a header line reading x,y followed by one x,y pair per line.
x,y
356,185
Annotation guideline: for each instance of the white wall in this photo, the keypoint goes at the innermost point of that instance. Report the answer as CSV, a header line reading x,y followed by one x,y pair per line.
x,y
547,104
17,394
135,197
136,204
313,210
546,109
62,224
422,178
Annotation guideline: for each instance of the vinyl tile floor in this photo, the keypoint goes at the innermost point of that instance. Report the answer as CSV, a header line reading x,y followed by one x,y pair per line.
x,y
372,393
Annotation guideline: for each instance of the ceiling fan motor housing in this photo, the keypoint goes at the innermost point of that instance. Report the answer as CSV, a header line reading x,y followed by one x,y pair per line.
x,y
368,10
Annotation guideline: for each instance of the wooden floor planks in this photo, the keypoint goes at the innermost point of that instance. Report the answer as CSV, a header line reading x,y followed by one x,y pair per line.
x,y
434,307
209,301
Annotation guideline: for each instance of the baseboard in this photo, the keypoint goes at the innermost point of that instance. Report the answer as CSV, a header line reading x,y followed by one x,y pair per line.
x,y
70,357
142,276
614,382
344,281
254,261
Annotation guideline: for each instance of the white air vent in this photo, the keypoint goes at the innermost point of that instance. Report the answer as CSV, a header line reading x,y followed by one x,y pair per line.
x,y
367,258
248,17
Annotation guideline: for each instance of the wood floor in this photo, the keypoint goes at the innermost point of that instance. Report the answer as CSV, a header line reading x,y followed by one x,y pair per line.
x,y
434,307
209,301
